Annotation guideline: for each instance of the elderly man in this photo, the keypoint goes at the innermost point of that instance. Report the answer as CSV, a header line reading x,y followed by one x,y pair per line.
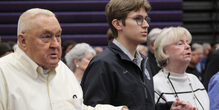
x,y
33,77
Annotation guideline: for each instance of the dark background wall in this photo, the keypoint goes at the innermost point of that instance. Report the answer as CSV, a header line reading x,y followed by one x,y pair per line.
x,y
85,20
201,18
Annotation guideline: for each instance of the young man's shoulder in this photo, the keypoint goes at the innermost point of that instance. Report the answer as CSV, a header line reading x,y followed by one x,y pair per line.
x,y
105,55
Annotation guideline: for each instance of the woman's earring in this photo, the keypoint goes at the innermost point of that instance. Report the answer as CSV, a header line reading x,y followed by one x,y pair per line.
x,y
77,66
167,61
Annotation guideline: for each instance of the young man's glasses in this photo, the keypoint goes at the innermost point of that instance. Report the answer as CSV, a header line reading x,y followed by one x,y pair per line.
x,y
139,19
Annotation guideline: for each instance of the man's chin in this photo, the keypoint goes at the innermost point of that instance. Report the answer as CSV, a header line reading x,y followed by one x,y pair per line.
x,y
51,64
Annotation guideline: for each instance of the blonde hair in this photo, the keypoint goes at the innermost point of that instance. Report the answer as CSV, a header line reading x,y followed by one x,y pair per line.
x,y
24,22
166,37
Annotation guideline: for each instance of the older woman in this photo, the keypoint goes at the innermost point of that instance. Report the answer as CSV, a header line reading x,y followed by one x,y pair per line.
x,y
78,58
173,54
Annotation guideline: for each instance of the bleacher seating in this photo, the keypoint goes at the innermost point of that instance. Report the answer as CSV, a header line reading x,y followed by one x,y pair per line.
x,y
83,20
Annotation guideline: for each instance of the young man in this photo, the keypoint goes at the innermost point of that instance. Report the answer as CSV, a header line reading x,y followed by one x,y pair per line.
x,y
120,74
33,77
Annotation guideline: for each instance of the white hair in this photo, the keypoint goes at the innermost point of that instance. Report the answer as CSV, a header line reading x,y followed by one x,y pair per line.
x,y
166,37
153,35
78,52
25,20
204,45
197,46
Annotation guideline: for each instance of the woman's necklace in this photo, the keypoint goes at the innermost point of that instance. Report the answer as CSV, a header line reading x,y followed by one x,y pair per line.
x,y
174,91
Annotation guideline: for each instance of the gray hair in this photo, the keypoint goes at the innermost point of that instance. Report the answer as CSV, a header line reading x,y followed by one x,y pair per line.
x,y
204,45
25,20
78,52
166,37
152,36
197,46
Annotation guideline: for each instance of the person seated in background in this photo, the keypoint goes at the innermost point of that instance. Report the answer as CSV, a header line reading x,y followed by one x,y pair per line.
x,y
150,43
67,46
110,35
12,44
206,50
5,49
142,49
211,67
98,49
191,67
199,51
173,54
78,58
34,77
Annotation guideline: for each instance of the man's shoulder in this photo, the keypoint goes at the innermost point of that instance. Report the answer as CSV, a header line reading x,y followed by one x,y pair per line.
x,y
8,59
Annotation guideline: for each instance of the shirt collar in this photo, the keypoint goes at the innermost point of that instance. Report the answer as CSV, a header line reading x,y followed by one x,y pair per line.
x,y
32,68
137,54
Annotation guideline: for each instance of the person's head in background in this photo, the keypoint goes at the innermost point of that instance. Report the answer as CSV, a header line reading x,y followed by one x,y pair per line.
x,y
152,37
39,36
12,44
110,36
98,49
78,58
199,50
172,47
142,49
194,58
128,21
5,49
67,46
206,49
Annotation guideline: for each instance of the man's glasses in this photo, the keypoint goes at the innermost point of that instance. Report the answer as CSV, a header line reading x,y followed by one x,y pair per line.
x,y
139,19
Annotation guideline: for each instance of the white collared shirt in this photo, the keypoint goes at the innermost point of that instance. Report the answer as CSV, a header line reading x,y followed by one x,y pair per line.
x,y
24,87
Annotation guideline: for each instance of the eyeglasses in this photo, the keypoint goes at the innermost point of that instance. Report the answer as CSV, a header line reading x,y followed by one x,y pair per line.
x,y
139,19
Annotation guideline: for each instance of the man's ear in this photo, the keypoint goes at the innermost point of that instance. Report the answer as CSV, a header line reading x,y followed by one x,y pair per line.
x,y
152,46
117,24
22,41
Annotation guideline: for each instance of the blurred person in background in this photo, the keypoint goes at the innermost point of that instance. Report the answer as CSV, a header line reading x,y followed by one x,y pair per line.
x,y
67,46
110,35
142,49
150,43
78,58
191,67
173,54
12,44
5,49
199,51
98,49
206,49
212,67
